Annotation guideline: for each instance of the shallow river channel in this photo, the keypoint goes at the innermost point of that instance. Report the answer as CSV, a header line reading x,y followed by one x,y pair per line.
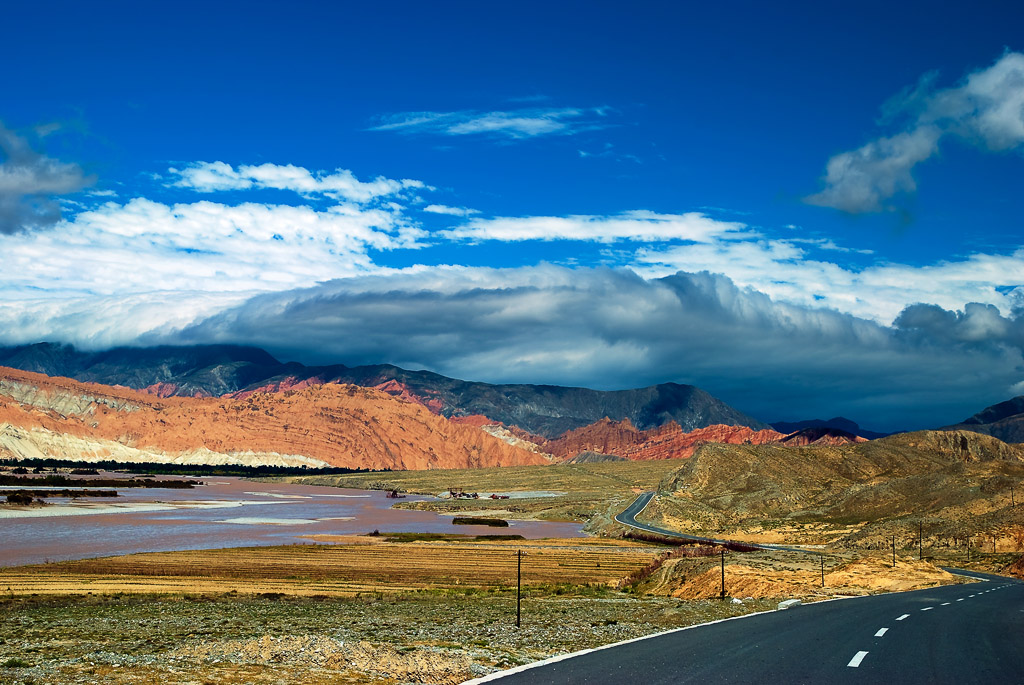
x,y
225,512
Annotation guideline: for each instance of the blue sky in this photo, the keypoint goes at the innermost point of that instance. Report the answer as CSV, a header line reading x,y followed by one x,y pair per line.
x,y
804,209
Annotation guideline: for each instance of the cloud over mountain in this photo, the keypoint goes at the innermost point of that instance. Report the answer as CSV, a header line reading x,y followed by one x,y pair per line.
x,y
612,329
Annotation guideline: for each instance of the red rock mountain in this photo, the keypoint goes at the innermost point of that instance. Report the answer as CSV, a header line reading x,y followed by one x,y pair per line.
x,y
670,441
339,425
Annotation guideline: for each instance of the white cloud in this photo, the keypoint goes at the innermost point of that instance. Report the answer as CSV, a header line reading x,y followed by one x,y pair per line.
x,y
450,211
987,108
517,124
144,246
340,185
862,180
784,270
638,225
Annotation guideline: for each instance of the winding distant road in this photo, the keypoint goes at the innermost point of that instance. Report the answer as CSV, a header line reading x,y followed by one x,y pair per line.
x,y
628,518
968,633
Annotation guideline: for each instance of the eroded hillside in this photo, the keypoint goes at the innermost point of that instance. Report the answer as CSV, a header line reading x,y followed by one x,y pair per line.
x,y
338,425
949,485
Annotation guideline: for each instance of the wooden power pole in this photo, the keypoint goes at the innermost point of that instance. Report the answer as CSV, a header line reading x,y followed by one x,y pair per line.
x,y
519,586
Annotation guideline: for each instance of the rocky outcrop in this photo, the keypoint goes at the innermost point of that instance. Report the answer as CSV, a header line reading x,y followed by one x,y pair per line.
x,y
340,425
1016,569
670,441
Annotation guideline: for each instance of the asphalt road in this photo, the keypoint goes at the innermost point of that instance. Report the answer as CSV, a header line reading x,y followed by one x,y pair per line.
x,y
628,518
971,633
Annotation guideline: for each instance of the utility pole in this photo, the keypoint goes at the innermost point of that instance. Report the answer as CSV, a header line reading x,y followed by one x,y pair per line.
x,y
968,549
894,551
822,558
1012,503
723,574
519,586
920,540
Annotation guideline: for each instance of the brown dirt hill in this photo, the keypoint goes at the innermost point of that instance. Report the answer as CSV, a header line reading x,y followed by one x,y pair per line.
x,y
670,441
950,480
341,425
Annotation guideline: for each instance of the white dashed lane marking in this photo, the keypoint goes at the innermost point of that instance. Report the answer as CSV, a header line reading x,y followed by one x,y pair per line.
x,y
881,632
944,604
927,609
857,658
903,617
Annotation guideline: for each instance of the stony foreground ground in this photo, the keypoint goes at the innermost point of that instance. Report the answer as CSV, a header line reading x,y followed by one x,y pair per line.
x,y
425,637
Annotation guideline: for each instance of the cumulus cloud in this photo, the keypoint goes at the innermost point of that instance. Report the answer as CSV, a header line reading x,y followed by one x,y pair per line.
x,y
639,225
987,108
613,329
786,271
342,184
976,323
517,124
144,246
29,183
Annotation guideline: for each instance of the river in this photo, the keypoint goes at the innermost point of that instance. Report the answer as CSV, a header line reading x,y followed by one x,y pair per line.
x,y
224,512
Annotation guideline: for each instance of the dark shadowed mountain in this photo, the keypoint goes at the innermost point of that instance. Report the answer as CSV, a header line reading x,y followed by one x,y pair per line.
x,y
546,410
1004,421
821,435
839,423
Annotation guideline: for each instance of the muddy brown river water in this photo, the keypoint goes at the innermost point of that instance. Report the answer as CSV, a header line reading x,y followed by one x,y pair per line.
x,y
225,512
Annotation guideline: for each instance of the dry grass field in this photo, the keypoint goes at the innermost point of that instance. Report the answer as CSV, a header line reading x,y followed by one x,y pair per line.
x,y
372,611
337,570
615,476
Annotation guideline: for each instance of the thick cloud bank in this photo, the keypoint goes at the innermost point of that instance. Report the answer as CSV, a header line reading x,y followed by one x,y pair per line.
x,y
613,329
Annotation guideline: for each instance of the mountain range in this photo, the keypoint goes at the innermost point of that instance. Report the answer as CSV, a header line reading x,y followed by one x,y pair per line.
x,y
1004,421
321,425
668,420
547,411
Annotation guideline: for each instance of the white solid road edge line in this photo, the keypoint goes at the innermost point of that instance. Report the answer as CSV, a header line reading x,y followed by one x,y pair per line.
x,y
562,657
857,658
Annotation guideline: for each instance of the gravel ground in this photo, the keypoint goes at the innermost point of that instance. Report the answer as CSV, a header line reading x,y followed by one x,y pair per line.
x,y
427,637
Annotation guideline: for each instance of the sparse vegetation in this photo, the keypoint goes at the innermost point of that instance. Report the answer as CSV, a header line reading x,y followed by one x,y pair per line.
x,y
479,521
423,636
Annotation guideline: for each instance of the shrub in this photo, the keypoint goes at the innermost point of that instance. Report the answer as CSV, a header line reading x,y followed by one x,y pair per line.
x,y
15,662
